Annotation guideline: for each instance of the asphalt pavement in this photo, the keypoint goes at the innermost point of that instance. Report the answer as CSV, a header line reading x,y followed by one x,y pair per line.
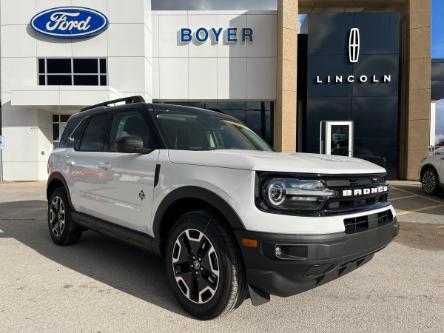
x,y
100,285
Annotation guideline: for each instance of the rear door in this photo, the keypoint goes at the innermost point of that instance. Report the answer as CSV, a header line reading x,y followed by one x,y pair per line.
x,y
128,193
89,174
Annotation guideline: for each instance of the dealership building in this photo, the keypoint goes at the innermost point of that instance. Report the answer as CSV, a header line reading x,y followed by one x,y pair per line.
x,y
353,79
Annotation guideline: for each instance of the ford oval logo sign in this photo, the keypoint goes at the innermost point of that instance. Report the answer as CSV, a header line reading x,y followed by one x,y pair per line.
x,y
69,22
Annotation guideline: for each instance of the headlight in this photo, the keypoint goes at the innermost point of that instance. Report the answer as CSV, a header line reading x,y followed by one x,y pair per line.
x,y
292,194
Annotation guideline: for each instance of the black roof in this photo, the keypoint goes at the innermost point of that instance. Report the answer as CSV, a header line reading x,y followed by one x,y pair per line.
x,y
139,101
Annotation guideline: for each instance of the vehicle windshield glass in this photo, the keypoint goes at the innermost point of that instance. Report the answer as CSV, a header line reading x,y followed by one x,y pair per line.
x,y
201,130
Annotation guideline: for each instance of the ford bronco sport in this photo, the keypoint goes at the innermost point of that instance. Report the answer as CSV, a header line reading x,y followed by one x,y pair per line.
x,y
232,218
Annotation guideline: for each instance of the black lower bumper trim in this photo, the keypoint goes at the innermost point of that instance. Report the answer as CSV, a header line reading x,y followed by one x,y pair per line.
x,y
303,262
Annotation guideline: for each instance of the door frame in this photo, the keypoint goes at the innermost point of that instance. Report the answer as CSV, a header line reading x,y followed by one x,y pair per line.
x,y
325,139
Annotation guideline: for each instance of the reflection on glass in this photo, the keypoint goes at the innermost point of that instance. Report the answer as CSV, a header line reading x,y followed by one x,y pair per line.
x,y
257,115
340,139
439,123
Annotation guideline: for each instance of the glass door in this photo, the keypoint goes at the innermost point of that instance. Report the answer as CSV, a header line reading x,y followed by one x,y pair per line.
x,y
337,138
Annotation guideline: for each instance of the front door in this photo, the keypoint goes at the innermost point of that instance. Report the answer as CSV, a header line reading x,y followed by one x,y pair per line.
x,y
128,193
337,138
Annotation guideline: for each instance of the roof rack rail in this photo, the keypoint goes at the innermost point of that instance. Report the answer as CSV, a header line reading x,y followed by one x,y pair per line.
x,y
127,100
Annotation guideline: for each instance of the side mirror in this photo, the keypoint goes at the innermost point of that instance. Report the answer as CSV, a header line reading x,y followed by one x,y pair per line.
x,y
129,144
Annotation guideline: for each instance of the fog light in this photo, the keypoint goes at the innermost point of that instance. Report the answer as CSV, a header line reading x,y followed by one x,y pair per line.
x,y
278,251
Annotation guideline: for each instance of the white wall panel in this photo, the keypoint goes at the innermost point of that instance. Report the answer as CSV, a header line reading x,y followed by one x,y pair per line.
x,y
46,47
264,36
18,72
126,73
232,78
203,78
120,11
155,35
17,41
156,78
173,78
126,40
169,27
91,47
17,11
261,78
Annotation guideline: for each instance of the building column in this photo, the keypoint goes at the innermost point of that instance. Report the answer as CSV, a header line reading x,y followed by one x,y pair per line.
x,y
417,122
285,109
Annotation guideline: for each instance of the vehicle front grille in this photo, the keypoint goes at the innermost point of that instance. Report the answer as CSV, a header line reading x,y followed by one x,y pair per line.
x,y
342,204
363,223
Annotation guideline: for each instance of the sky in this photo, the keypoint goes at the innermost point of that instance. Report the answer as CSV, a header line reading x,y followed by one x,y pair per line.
x,y
437,29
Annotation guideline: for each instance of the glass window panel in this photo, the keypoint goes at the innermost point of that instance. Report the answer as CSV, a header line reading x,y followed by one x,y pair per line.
x,y
64,80
103,66
41,80
103,81
55,117
86,80
254,121
64,118
234,109
55,132
130,124
439,123
59,65
95,133
85,66
41,65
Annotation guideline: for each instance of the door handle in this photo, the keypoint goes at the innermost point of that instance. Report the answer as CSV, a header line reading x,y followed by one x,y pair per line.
x,y
69,162
104,166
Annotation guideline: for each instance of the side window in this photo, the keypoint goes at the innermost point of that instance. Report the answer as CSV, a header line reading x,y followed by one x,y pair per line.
x,y
95,133
130,123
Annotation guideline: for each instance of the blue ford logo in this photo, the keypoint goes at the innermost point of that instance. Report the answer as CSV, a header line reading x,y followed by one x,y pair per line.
x,y
69,22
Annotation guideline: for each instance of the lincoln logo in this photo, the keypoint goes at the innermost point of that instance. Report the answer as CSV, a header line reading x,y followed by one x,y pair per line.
x,y
353,45
364,191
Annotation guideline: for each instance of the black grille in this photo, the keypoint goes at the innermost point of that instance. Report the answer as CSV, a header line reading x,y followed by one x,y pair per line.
x,y
340,205
363,223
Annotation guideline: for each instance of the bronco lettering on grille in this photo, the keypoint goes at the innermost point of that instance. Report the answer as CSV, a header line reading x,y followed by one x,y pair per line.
x,y
365,191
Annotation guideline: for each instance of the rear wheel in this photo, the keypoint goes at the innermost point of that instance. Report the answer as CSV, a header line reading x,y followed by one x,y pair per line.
x,y
203,265
430,181
62,228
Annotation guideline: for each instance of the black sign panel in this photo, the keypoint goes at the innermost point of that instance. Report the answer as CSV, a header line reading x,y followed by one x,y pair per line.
x,y
351,72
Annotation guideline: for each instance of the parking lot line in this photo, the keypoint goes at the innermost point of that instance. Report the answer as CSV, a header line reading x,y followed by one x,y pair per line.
x,y
418,195
405,197
405,212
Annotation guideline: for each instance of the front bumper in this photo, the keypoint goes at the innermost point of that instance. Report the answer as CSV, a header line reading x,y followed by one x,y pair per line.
x,y
307,261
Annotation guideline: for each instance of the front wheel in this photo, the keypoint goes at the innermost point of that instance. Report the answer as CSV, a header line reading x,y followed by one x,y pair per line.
x,y
430,181
203,265
62,228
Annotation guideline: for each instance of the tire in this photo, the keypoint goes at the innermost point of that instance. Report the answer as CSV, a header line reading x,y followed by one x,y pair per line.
x,y
430,181
213,283
62,228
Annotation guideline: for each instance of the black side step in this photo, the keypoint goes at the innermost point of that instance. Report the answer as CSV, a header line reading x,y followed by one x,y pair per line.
x,y
135,238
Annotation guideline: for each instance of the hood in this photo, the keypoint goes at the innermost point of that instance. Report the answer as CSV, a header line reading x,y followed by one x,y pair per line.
x,y
272,161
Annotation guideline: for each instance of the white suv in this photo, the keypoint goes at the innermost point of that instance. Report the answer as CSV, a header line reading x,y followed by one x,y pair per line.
x,y
431,171
232,218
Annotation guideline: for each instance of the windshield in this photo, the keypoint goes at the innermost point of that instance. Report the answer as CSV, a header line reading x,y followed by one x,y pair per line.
x,y
202,130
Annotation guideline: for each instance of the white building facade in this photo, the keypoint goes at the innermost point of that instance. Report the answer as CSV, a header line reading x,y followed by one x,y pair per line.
x,y
229,65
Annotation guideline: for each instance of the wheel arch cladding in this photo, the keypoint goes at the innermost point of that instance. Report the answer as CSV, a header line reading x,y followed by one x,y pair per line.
x,y
187,199
427,166
56,180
